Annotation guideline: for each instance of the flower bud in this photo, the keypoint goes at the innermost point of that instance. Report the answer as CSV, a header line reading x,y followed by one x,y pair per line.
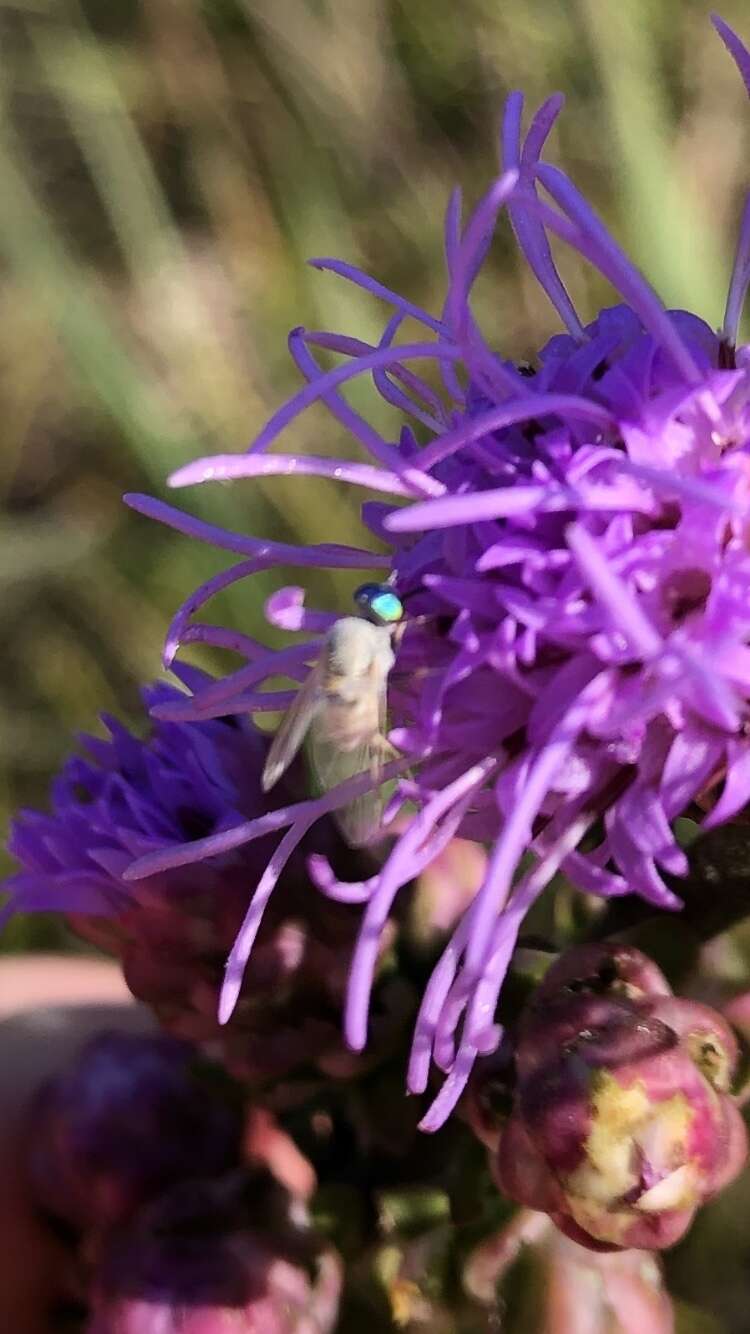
x,y
575,1289
128,1119
489,1095
622,1122
218,1258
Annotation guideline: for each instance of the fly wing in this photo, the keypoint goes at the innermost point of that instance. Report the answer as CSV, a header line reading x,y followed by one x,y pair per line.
x,y
294,726
360,820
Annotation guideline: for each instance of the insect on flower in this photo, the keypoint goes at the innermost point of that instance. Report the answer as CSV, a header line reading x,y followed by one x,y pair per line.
x,y
576,664
342,705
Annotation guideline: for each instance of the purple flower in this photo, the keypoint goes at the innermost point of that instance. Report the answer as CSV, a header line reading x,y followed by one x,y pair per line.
x,y
172,931
622,1122
571,547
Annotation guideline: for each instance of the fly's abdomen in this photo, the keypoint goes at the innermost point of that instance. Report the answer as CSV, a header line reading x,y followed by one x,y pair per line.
x,y
348,723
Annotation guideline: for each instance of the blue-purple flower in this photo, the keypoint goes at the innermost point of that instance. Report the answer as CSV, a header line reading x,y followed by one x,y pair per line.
x,y
571,547
126,797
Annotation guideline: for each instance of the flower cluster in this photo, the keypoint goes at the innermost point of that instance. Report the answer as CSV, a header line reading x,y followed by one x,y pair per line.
x,y
569,540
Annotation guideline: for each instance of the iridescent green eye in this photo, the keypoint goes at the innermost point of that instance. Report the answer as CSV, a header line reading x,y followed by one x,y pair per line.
x,y
379,603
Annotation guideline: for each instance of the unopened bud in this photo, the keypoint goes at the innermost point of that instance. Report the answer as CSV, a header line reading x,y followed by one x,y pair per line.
x,y
622,1122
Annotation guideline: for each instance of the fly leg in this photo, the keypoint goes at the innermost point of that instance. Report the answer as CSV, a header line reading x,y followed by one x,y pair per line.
x,y
381,752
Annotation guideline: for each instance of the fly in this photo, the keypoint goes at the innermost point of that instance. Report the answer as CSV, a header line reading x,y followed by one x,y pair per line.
x,y
342,706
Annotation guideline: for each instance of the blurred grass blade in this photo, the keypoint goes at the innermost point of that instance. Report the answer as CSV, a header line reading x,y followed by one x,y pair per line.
x,y
661,215
68,295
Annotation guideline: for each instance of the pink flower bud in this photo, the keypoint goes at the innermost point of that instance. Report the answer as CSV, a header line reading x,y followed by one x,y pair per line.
x,y
218,1258
577,1290
622,1123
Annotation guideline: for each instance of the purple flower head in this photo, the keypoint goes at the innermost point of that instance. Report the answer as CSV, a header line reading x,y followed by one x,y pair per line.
x,y
172,931
570,545
125,797
622,1123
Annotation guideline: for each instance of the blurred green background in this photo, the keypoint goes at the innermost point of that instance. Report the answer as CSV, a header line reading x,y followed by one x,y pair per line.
x,y
166,166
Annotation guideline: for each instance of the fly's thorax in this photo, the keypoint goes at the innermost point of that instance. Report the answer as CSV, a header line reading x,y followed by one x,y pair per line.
x,y
356,648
